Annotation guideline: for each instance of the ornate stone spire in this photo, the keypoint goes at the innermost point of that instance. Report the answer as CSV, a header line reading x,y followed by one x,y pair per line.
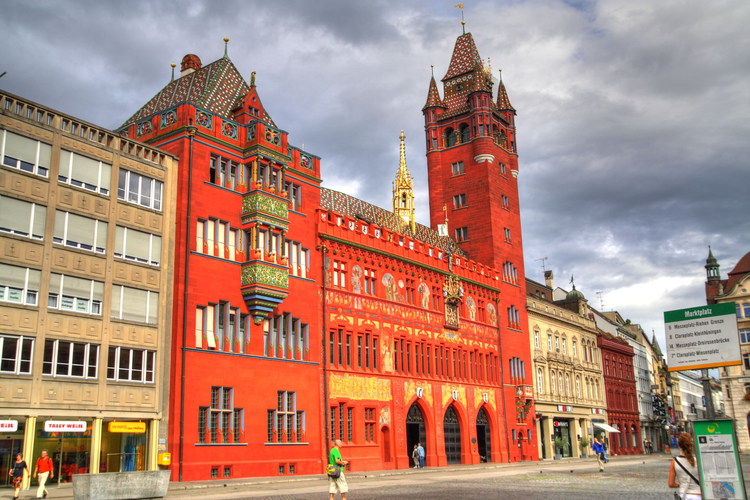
x,y
403,190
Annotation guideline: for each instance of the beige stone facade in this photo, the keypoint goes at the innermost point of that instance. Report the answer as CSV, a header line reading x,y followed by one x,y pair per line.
x,y
86,231
735,380
567,372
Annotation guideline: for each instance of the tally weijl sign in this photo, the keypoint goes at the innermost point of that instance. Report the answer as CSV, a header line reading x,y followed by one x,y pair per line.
x,y
702,337
64,426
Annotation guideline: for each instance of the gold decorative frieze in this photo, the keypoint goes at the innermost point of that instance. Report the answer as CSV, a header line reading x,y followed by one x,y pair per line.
x,y
452,393
422,390
484,395
359,388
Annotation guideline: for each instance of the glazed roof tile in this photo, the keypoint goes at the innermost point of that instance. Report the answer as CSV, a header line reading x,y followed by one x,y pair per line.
x,y
217,87
433,96
465,57
354,207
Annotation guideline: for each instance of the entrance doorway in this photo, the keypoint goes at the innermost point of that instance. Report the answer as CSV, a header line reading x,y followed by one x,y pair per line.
x,y
452,432
415,430
9,448
562,430
484,438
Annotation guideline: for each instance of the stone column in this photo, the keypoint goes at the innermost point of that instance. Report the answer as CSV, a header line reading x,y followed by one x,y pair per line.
x,y
96,446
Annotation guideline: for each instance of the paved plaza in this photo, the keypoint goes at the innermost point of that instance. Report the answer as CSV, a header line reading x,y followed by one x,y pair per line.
x,y
640,477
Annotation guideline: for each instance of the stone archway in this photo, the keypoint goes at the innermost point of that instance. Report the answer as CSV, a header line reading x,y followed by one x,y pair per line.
x,y
484,437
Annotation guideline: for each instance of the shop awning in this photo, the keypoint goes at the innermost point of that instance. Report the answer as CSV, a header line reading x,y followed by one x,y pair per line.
x,y
605,427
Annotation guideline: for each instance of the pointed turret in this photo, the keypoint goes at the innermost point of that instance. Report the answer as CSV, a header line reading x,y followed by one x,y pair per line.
x,y
433,96
712,267
403,190
503,103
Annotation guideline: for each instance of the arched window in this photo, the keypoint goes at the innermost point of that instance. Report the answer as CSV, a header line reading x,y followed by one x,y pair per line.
x,y
560,381
540,381
567,385
553,387
450,137
578,386
536,339
464,131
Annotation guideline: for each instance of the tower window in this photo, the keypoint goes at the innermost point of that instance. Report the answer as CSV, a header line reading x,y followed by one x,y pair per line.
x,y
464,130
506,202
507,235
457,168
459,201
462,233
450,137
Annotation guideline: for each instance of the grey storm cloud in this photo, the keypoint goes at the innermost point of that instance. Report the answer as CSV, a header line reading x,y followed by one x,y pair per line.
x,y
632,114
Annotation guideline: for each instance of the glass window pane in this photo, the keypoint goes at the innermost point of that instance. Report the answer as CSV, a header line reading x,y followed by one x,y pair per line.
x,y
134,304
20,148
81,230
13,276
15,215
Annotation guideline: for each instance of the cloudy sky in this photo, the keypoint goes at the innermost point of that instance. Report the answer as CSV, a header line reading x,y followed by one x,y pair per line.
x,y
633,115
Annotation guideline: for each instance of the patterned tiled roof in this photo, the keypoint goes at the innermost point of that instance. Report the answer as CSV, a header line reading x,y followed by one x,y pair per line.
x,y
217,87
433,96
503,103
354,207
465,57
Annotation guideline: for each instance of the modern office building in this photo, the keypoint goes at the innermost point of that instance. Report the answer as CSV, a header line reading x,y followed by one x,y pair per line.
x,y
86,239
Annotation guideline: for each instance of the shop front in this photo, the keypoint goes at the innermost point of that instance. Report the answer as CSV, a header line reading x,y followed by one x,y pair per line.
x,y
79,446
562,441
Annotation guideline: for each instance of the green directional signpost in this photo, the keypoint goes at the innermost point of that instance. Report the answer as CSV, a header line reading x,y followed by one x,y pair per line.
x,y
718,460
702,337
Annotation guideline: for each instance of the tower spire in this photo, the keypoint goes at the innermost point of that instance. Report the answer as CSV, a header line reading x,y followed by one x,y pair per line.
x,y
712,267
403,189
226,43
463,21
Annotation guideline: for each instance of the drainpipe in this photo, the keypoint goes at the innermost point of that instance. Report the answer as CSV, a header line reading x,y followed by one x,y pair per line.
x,y
502,378
191,137
326,409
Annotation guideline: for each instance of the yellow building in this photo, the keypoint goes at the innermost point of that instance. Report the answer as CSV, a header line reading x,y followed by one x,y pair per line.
x,y
86,229
735,380
567,370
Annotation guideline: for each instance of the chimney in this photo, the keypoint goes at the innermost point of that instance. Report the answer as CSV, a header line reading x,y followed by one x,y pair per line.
x,y
190,63
548,279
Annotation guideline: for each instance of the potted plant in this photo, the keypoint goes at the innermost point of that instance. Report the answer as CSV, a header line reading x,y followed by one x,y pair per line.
x,y
559,444
583,444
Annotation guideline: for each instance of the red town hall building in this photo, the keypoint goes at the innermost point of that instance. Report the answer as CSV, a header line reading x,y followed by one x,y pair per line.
x,y
622,399
303,315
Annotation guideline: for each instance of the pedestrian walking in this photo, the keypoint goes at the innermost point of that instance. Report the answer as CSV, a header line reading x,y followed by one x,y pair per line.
x,y
598,448
420,454
16,473
337,485
415,456
44,469
683,471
